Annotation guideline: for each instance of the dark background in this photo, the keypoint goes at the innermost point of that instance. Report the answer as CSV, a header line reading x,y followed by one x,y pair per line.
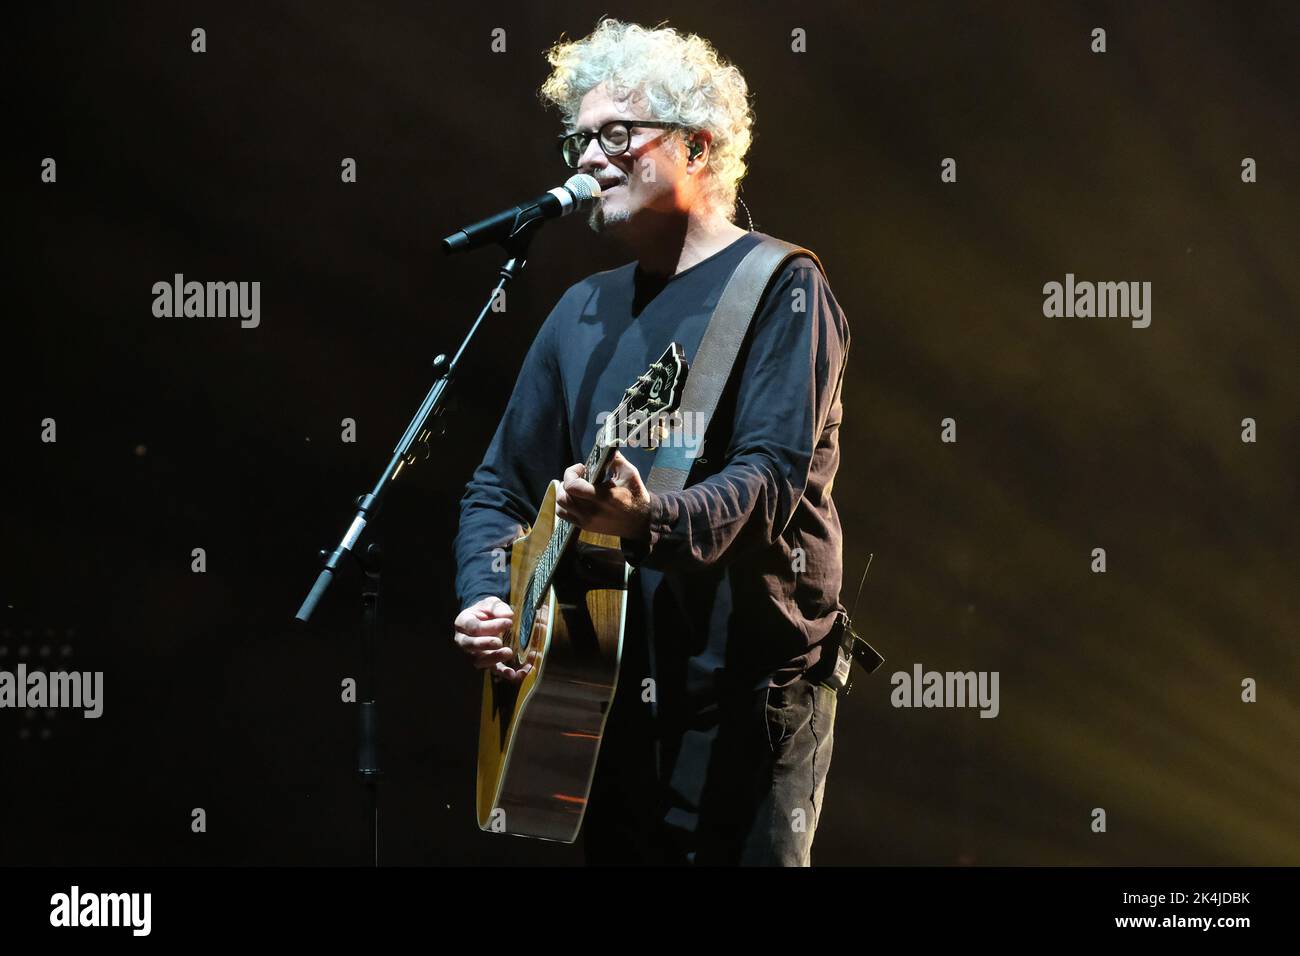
x,y
1119,691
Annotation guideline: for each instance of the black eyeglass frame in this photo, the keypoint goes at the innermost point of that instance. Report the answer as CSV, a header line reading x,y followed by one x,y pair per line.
x,y
588,136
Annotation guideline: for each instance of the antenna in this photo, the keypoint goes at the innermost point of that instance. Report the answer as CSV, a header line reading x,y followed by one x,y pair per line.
x,y
857,600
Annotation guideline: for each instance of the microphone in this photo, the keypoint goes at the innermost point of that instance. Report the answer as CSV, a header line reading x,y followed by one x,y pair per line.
x,y
580,192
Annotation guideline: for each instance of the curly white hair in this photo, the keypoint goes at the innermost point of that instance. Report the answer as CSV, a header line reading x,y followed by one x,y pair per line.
x,y
683,80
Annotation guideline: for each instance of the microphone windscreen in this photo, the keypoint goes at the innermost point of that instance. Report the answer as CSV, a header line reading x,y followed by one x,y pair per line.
x,y
585,189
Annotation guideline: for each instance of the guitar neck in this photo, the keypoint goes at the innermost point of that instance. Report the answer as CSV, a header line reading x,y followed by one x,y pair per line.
x,y
596,463
652,396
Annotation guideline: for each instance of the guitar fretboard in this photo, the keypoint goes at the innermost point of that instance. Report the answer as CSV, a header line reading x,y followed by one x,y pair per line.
x,y
651,396
596,461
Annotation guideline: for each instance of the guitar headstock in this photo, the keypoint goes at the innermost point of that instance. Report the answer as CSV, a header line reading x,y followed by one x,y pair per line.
x,y
652,398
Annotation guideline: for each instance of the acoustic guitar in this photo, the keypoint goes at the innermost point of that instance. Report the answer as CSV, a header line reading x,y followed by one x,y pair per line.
x,y
538,739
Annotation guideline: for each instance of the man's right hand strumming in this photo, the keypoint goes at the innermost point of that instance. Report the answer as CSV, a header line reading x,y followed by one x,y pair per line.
x,y
480,629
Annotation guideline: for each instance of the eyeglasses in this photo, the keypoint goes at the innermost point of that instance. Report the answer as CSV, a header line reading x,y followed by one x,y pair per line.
x,y
615,137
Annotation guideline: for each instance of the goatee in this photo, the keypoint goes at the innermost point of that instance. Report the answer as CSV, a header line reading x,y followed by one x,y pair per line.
x,y
599,220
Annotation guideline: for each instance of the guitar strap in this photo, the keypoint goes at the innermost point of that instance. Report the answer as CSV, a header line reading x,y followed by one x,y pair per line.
x,y
711,367
709,372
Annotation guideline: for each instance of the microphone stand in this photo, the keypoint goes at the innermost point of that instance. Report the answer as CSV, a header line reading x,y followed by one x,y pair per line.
x,y
417,431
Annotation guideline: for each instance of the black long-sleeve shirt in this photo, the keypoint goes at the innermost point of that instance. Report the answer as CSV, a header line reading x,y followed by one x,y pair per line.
x,y
740,579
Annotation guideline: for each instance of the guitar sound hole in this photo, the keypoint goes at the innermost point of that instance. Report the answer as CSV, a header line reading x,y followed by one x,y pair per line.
x,y
528,625
525,631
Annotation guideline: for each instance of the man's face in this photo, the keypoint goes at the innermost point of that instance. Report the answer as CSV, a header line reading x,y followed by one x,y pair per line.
x,y
649,176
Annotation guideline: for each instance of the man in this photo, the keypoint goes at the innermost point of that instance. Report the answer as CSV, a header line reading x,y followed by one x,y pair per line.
x,y
736,585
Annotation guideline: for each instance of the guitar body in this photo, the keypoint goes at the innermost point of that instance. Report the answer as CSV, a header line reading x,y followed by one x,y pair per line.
x,y
538,740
